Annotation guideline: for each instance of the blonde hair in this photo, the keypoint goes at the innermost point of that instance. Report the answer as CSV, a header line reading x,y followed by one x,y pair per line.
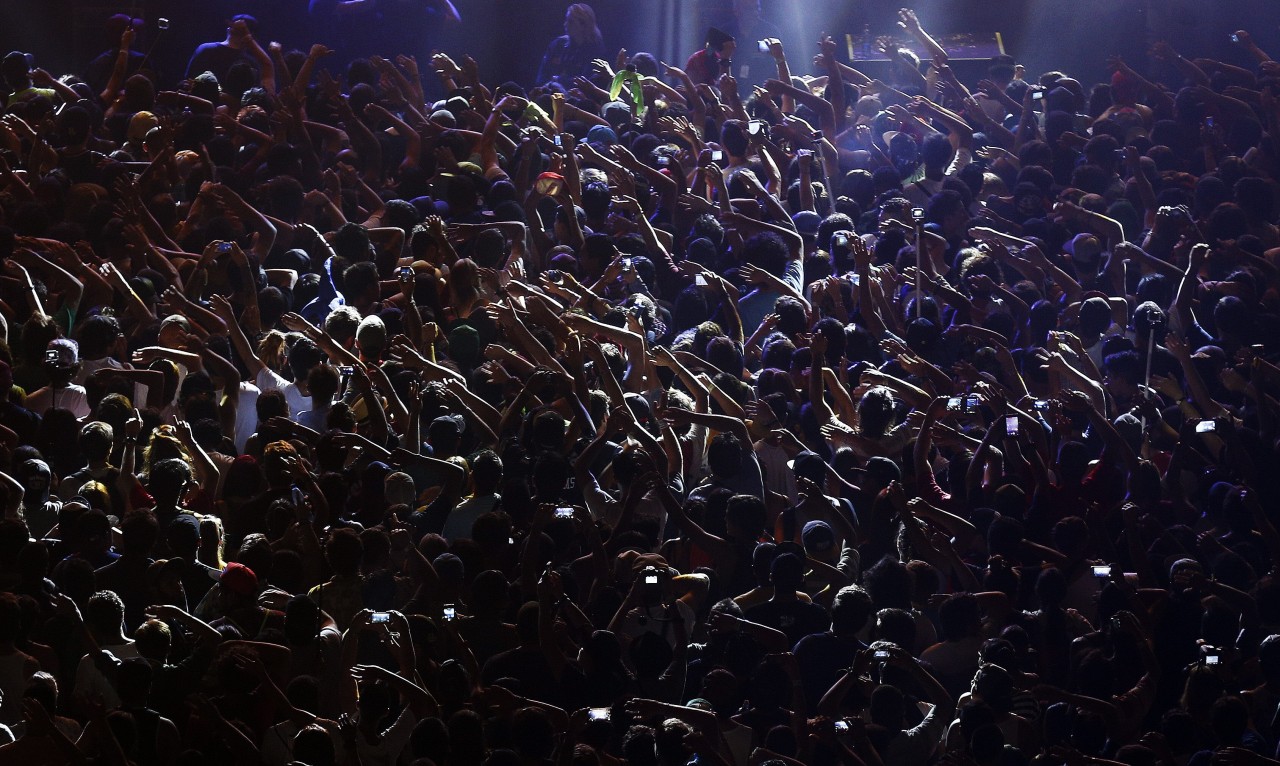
x,y
584,13
165,437
271,350
211,555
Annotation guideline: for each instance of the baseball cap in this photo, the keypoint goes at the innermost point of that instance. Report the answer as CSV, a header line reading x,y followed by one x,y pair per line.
x,y
183,529
239,579
456,423
818,536
162,567
884,469
601,134
807,222
68,351
809,465
1084,248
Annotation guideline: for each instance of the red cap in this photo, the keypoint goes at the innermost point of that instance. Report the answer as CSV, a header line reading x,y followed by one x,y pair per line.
x,y
240,579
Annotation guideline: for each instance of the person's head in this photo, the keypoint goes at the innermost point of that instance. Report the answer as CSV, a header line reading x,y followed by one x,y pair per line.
x,y
580,24
43,688
1122,373
99,336
744,517
994,685
313,745
959,617
138,533
1229,719
133,681
767,252
278,459
238,584
1095,316
724,456
104,614
16,71
167,481
486,471
875,411
341,325
344,552
887,707
323,381
850,610
786,573
718,43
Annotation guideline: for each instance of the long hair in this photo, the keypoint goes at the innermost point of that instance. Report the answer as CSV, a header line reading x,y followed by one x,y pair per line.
x,y
584,14
464,284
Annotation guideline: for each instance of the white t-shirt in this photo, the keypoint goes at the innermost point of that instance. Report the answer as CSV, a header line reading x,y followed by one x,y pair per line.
x,y
91,682
269,380
246,414
73,398
460,520
389,746
90,366
277,744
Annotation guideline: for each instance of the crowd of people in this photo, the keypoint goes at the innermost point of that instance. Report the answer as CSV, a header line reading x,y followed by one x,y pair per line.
x,y
366,412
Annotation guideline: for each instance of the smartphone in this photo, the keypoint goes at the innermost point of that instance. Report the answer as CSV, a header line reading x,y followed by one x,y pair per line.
x,y
224,248
1040,405
817,136
842,726
406,272
1206,427
1208,121
598,714
917,214
162,24
700,281
557,140
754,127
663,161
51,356
380,617
346,370
1011,425
1235,38
842,240
1102,571
626,265
651,579
763,45
882,654
1121,155
955,404
804,153
450,612
1212,659
717,155
1037,95
970,404
564,513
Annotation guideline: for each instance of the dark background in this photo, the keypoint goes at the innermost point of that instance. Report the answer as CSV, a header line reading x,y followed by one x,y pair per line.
x,y
507,37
